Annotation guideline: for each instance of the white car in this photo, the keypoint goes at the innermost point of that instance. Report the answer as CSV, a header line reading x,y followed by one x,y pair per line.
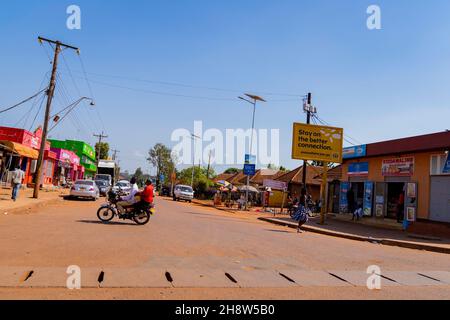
x,y
85,189
183,193
123,186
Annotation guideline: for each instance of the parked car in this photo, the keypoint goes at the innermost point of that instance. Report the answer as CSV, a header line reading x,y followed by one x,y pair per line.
x,y
103,186
165,191
122,186
185,193
85,189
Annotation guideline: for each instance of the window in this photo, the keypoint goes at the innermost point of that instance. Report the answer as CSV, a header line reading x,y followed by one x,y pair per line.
x,y
437,163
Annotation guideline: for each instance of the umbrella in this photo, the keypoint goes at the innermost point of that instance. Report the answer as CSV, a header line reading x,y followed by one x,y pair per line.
x,y
249,188
223,183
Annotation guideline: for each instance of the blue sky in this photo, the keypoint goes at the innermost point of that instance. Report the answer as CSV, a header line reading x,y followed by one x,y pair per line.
x,y
378,85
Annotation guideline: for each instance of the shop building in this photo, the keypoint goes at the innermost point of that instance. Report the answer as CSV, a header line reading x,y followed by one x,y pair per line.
x,y
405,179
68,168
20,147
84,151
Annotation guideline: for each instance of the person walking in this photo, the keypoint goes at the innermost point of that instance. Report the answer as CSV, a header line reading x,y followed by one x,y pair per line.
x,y
351,201
301,214
401,207
17,179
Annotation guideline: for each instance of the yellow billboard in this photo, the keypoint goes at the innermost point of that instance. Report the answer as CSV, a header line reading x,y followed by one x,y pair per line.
x,y
319,143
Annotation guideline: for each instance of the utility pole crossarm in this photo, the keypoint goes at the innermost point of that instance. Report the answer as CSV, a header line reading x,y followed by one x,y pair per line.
x,y
57,43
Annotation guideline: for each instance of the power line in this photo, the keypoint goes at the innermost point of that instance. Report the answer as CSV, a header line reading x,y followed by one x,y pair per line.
x,y
22,102
182,85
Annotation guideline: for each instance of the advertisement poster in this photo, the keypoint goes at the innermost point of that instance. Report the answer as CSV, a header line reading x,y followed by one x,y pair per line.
x,y
368,198
411,214
343,202
447,165
379,210
398,167
355,152
358,169
411,191
318,143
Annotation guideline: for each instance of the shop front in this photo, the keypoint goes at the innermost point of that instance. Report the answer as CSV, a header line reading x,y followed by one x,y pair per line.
x,y
68,168
405,180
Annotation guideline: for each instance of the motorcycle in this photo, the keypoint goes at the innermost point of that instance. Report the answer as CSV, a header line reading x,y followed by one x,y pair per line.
x,y
140,214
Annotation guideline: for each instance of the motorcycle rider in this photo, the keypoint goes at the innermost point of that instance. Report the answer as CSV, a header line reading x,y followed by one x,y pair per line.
x,y
147,196
129,200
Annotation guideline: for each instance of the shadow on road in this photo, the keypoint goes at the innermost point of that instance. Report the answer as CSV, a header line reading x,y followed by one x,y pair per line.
x,y
112,223
279,231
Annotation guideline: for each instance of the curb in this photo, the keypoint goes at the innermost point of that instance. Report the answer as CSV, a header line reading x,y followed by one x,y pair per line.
x,y
32,206
386,242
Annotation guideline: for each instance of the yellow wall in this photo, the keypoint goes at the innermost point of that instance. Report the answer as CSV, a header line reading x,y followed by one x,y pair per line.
x,y
421,176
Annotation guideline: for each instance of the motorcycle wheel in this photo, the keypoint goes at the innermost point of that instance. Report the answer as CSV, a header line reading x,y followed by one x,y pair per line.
x,y
142,218
105,214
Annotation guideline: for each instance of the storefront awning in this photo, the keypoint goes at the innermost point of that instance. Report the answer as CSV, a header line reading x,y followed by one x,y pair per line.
x,y
20,149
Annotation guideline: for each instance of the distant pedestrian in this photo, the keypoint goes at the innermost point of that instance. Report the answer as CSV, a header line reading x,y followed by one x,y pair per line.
x,y
351,200
301,214
17,179
401,207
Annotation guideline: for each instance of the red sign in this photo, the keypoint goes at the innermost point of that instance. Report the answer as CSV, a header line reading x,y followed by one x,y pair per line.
x,y
398,167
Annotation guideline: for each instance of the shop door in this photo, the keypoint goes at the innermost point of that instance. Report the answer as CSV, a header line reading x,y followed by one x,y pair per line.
x,y
368,199
440,199
380,199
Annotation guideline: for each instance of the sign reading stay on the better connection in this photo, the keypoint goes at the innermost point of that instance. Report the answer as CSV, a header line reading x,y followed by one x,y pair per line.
x,y
319,143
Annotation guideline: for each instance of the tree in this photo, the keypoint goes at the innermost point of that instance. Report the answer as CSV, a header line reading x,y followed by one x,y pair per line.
x,y
201,183
232,171
140,177
102,149
160,157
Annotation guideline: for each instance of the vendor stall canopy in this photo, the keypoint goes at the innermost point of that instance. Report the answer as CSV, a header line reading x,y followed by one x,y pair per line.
x,y
20,149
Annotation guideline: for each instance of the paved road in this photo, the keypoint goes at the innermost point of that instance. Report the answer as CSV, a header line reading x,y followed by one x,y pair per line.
x,y
193,252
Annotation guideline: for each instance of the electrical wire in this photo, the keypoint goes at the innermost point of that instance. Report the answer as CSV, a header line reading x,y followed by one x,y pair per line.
x,y
354,143
22,102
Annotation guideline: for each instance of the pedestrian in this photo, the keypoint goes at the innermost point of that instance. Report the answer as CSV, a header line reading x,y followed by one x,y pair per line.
x,y
17,179
302,216
401,207
351,200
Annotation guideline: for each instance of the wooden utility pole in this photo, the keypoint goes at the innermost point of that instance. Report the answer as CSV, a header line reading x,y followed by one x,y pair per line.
x,y
115,152
324,197
50,94
308,121
100,137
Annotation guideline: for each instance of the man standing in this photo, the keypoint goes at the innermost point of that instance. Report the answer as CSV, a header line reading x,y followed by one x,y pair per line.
x,y
17,179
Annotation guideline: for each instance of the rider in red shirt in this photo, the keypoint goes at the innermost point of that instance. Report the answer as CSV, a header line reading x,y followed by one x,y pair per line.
x,y
147,195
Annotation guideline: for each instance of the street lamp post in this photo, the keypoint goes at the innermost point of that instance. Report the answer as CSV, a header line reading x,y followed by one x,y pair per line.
x,y
253,101
193,137
57,117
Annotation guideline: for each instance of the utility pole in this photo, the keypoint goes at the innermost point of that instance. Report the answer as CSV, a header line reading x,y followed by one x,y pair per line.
x,y
100,139
50,94
308,108
193,137
115,152
209,166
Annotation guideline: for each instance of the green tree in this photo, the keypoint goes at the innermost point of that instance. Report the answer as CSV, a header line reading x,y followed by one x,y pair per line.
x,y
232,171
161,158
201,182
102,149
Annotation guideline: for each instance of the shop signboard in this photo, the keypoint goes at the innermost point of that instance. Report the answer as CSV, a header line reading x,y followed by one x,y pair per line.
x,y
317,143
249,169
343,201
249,159
355,152
447,165
275,185
368,198
358,169
398,167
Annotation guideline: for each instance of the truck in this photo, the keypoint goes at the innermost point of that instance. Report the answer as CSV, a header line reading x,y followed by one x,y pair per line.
x,y
107,171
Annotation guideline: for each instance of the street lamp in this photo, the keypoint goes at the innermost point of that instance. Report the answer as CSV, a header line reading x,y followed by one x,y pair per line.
x,y
253,100
57,119
193,137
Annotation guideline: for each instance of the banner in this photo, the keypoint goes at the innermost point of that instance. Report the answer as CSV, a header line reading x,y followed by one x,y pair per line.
x,y
447,165
355,152
368,198
343,201
275,185
358,169
398,167
319,143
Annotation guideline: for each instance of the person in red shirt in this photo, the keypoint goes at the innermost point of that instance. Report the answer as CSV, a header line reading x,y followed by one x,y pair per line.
x,y
147,196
